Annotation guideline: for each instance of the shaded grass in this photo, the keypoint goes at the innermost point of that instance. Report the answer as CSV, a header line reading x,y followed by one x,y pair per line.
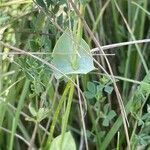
x,y
110,21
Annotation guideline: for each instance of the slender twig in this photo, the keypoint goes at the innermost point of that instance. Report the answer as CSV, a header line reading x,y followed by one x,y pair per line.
x,y
7,74
105,47
31,147
3,92
25,115
44,62
116,45
82,114
120,101
42,53
17,135
133,37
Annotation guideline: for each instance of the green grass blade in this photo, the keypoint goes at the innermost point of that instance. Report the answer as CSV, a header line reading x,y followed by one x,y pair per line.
x,y
17,115
118,122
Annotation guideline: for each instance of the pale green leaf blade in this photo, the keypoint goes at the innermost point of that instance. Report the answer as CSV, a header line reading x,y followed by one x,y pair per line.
x,y
68,142
62,56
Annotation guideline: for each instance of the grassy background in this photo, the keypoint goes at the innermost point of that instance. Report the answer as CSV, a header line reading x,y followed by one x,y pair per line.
x,y
35,107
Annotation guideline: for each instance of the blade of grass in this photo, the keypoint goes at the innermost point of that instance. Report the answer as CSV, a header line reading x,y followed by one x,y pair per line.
x,y
120,102
98,19
82,115
67,112
25,116
129,52
118,122
116,22
58,109
142,8
16,135
133,37
17,115
118,141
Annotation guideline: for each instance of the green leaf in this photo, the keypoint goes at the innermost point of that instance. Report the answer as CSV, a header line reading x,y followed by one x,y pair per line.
x,y
32,110
148,108
100,88
105,122
34,45
108,117
42,114
41,3
91,87
38,87
56,9
68,142
109,136
89,95
111,115
63,53
108,89
142,139
106,108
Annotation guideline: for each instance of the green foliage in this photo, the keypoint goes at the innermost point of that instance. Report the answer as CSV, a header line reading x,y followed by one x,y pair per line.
x,y
68,142
107,115
39,115
52,6
95,90
41,3
142,139
37,110
63,53
91,93
84,2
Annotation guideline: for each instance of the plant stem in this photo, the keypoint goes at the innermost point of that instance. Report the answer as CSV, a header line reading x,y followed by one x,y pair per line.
x,y
118,141
56,115
66,115
31,146
18,111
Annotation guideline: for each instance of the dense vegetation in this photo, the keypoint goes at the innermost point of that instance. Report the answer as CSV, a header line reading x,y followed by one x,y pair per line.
x,y
64,85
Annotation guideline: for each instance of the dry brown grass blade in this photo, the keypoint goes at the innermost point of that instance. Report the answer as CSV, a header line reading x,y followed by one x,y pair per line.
x,y
41,53
17,135
120,102
82,113
116,45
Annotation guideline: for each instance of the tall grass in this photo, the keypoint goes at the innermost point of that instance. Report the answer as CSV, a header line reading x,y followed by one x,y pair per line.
x,y
106,108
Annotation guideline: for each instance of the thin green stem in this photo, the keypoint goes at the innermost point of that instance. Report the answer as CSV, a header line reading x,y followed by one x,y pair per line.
x,y
67,112
18,111
99,18
133,38
56,114
118,141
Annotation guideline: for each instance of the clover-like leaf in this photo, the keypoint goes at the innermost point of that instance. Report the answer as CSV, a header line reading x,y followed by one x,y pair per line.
x,y
89,95
107,116
91,87
91,90
108,89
